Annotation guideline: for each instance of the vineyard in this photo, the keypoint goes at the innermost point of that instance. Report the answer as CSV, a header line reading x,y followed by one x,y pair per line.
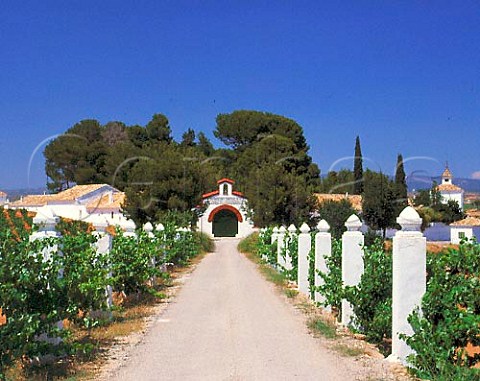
x,y
446,334
49,286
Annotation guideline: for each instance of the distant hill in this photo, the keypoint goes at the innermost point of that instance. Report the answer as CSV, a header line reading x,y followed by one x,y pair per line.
x,y
425,182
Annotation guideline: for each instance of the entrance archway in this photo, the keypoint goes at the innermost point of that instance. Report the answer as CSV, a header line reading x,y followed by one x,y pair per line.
x,y
225,224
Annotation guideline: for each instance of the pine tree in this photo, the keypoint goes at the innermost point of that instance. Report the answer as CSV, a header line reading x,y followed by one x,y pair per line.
x,y
358,169
401,184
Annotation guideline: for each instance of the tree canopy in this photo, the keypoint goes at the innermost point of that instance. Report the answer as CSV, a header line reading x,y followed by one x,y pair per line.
x,y
379,201
240,129
358,168
267,156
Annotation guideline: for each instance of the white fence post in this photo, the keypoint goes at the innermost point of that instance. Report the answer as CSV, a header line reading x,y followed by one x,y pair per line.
x,y
274,235
46,221
161,246
304,246
292,231
323,249
280,243
104,245
352,262
409,278
129,227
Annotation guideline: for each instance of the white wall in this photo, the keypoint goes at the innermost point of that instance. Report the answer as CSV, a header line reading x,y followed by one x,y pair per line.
x,y
245,228
458,197
468,231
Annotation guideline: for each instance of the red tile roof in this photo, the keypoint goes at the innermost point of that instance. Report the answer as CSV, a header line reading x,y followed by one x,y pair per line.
x,y
449,188
469,221
225,180
210,194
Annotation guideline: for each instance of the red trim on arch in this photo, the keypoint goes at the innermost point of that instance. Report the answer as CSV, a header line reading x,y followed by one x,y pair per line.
x,y
225,207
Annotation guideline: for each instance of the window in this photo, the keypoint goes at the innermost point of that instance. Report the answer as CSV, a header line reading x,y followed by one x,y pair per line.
x,y
225,190
461,235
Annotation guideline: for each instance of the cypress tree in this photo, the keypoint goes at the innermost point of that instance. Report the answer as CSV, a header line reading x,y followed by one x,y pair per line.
x,y
358,169
400,183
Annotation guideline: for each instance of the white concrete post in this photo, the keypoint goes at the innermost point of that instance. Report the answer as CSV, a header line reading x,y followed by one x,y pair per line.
x,y
352,261
159,228
304,246
104,245
292,232
323,249
148,227
280,243
409,278
46,220
129,227
274,235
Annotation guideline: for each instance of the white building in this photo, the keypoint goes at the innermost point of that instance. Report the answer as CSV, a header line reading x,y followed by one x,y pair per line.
x,y
81,202
449,191
465,229
226,214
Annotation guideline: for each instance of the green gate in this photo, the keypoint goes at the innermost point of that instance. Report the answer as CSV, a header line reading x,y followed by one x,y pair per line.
x,y
225,224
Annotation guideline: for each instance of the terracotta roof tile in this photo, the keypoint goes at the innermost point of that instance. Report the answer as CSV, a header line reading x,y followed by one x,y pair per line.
x,y
107,201
473,213
70,194
210,194
33,200
225,180
469,221
77,191
449,188
447,173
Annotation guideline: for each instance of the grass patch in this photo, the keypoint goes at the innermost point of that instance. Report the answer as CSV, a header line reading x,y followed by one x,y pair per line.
x,y
206,243
347,351
321,327
248,245
290,293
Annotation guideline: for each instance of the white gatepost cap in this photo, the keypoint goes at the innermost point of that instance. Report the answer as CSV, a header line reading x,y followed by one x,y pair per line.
x,y
128,225
353,223
323,226
409,219
282,229
292,229
275,230
304,228
148,227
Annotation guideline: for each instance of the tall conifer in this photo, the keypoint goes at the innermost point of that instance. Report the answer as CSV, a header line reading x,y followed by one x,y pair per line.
x,y
401,183
358,169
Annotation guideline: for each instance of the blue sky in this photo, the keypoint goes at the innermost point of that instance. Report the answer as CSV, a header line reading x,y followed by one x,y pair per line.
x,y
405,76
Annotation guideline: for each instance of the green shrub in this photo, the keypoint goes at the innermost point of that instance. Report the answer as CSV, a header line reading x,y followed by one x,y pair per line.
x,y
249,244
290,246
131,261
204,242
450,316
371,299
265,249
332,289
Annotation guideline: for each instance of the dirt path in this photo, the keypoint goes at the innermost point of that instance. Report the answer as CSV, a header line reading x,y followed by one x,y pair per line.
x,y
228,323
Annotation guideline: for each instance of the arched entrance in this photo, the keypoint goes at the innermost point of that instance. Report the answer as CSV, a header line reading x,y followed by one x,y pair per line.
x,y
225,224
225,219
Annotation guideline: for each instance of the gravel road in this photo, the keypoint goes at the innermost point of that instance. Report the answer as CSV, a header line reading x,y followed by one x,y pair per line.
x,y
228,323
